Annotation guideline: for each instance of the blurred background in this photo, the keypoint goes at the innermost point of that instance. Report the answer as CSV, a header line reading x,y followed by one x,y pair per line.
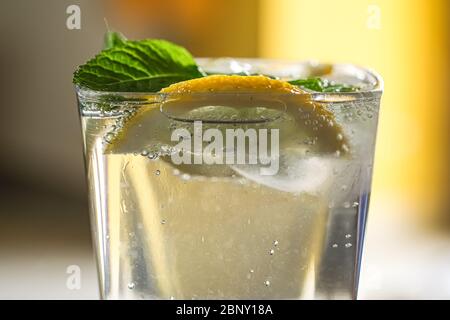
x,y
44,224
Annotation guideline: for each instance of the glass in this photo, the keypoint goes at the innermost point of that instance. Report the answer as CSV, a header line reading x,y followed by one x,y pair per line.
x,y
169,230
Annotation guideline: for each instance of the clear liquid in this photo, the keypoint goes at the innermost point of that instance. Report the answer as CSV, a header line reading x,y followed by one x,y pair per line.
x,y
168,232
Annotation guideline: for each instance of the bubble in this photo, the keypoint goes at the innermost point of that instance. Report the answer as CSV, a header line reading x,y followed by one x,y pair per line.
x,y
152,156
345,148
157,172
267,283
109,137
131,285
348,245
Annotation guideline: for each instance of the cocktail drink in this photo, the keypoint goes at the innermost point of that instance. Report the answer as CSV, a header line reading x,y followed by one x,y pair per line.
x,y
232,186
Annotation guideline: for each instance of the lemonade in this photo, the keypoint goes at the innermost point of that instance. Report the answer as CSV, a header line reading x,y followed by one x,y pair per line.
x,y
165,230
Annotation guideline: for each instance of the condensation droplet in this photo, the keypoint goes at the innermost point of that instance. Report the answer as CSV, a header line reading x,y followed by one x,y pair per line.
x,y
348,236
157,172
271,252
144,153
267,283
355,204
163,221
131,285
348,245
275,243
335,245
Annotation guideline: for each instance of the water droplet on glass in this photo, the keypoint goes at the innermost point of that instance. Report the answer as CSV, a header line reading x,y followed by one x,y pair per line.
x,y
346,205
348,245
275,243
348,236
152,156
339,137
251,270
271,252
131,285
335,245
355,204
163,221
267,283
176,172
185,176
157,172
144,153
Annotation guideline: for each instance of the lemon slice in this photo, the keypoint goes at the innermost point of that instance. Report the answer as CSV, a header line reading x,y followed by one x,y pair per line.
x,y
233,83
302,121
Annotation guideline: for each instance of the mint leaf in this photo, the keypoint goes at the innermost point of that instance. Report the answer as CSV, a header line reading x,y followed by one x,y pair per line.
x,y
323,85
114,39
133,66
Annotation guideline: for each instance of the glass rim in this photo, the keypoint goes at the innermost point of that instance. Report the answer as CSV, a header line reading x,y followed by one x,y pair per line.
x,y
373,79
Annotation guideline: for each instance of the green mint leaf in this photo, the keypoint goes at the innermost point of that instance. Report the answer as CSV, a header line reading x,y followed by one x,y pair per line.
x,y
114,39
322,85
133,66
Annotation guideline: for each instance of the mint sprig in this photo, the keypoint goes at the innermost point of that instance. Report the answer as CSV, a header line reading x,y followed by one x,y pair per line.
x,y
323,85
152,64
132,66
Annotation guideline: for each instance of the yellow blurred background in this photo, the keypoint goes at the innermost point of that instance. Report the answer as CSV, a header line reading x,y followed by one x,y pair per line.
x,y
44,225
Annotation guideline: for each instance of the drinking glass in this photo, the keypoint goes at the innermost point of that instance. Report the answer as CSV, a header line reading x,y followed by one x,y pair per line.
x,y
284,218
